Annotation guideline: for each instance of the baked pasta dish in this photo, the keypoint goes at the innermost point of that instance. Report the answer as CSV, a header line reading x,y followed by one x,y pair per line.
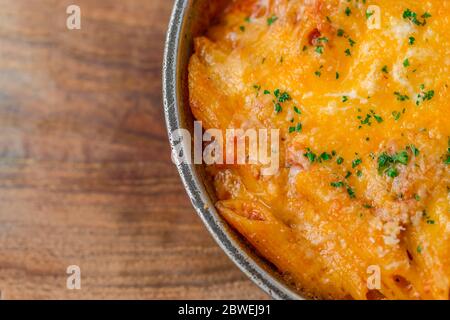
x,y
359,91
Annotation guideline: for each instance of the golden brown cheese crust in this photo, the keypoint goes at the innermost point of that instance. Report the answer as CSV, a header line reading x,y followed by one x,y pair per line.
x,y
365,182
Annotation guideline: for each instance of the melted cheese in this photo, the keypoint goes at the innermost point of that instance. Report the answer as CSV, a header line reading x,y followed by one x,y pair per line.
x,y
363,93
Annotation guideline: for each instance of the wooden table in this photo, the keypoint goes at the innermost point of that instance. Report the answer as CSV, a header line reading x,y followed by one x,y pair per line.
x,y
85,171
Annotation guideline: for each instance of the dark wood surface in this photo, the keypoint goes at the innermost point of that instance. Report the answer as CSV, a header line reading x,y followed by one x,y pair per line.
x,y
85,171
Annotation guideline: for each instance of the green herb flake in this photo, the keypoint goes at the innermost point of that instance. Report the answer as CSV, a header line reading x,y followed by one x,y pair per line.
x,y
356,163
414,150
396,115
351,192
392,172
311,156
339,184
413,17
271,20
348,11
406,63
297,128
401,97
325,156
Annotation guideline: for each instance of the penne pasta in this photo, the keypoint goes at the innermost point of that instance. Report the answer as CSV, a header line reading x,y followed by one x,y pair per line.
x,y
357,92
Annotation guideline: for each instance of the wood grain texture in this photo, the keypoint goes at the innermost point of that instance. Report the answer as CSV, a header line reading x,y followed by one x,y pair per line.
x,y
85,170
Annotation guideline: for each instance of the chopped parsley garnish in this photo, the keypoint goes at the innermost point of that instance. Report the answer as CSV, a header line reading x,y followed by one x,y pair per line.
x,y
427,218
424,95
385,69
378,118
278,108
284,97
297,128
392,172
367,120
351,192
401,97
310,155
414,150
271,20
281,97
356,163
339,184
398,114
348,11
406,63
412,40
413,17
325,156
402,157
319,49
369,14
387,163
257,88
